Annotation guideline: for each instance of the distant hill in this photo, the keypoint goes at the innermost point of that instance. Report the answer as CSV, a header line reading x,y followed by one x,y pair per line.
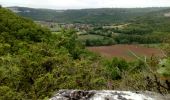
x,y
159,20
102,15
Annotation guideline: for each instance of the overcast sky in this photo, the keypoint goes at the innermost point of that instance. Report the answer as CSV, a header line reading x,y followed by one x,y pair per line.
x,y
78,4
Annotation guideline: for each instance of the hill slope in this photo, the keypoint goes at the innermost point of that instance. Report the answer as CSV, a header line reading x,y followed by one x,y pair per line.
x,y
151,28
34,62
102,15
159,21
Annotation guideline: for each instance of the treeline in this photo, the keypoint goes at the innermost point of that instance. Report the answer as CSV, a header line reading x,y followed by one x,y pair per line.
x,y
101,31
105,33
100,42
134,30
138,39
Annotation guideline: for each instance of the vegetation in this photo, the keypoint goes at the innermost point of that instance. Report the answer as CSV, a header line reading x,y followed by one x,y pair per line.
x,y
151,28
146,29
95,40
127,35
34,63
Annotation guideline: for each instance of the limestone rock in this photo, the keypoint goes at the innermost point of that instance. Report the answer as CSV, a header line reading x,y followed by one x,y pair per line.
x,y
107,95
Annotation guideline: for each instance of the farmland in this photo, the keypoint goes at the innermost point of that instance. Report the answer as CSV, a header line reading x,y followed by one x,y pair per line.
x,y
92,37
127,52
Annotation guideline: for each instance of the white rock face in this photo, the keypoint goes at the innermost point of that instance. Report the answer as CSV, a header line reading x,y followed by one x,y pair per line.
x,y
107,95
119,95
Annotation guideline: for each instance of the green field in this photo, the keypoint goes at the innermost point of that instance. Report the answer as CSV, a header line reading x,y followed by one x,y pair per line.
x,y
90,36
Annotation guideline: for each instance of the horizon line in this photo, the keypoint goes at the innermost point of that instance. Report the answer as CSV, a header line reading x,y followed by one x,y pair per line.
x,y
89,7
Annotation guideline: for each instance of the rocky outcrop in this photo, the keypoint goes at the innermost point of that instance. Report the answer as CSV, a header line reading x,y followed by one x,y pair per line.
x,y
107,95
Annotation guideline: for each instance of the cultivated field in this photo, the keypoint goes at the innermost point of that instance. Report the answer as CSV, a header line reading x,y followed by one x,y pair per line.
x,y
90,36
128,52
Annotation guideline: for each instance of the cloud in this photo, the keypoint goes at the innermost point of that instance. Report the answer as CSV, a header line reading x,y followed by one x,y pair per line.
x,y
77,4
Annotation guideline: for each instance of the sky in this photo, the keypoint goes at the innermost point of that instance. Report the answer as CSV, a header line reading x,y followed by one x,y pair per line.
x,y
81,4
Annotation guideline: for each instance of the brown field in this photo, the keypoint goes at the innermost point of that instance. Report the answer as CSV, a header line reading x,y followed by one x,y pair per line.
x,y
126,52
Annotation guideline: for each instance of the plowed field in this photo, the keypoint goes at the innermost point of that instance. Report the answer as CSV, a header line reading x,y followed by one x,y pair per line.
x,y
128,52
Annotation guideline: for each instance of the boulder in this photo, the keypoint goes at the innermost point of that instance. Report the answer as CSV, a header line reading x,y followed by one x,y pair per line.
x,y
107,95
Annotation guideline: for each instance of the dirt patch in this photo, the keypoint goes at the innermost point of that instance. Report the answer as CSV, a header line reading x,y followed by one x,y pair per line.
x,y
126,51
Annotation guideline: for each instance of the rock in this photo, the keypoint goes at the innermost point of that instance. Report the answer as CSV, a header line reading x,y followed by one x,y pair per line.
x,y
73,95
107,95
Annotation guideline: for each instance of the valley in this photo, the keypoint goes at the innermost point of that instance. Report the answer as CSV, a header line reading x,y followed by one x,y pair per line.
x,y
46,50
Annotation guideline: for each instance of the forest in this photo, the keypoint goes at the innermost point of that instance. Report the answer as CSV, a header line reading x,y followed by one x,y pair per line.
x,y
35,63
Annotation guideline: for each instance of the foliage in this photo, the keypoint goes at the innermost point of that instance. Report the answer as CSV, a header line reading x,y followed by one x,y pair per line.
x,y
116,68
96,40
34,63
